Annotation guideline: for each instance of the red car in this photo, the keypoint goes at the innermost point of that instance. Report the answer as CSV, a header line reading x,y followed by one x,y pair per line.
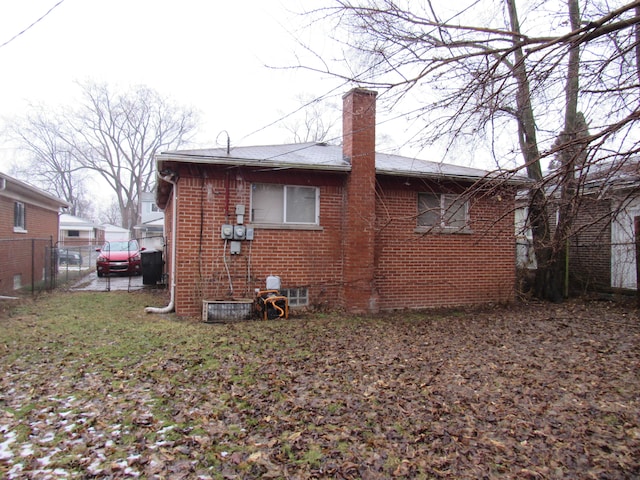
x,y
119,257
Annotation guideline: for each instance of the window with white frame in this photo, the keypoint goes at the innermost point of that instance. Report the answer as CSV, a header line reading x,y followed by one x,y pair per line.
x,y
298,297
19,220
284,204
442,210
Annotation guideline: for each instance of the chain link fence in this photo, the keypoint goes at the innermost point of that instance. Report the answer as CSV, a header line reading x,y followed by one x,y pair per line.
x,y
26,265
31,265
74,262
593,267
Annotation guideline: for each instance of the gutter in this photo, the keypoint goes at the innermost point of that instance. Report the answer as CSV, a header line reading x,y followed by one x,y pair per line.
x,y
489,177
243,162
507,177
172,179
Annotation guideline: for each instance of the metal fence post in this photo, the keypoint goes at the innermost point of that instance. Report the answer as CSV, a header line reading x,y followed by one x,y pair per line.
x,y
636,225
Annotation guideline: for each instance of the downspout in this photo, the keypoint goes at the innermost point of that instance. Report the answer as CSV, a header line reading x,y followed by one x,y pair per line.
x,y
174,216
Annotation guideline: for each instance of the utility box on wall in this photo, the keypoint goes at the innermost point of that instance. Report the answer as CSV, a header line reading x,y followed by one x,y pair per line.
x,y
239,232
226,232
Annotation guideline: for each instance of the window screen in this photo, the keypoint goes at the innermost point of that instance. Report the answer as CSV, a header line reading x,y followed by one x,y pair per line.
x,y
19,215
284,204
442,210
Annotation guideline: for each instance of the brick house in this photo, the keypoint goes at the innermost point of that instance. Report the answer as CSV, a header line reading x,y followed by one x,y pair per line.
x,y
28,229
602,253
342,226
602,245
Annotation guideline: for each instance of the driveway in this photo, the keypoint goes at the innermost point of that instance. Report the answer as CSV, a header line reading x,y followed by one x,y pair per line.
x,y
92,282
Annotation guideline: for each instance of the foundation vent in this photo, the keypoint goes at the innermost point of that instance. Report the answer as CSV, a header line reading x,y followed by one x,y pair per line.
x,y
220,311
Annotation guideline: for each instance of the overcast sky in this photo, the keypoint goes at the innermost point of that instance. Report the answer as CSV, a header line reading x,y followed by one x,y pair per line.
x,y
209,55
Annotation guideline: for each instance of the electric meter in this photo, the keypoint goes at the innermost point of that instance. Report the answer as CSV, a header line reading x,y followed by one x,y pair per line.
x,y
226,233
239,232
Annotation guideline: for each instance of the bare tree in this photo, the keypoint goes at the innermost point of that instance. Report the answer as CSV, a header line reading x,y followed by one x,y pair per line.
x,y
110,213
314,121
49,164
118,134
114,134
474,70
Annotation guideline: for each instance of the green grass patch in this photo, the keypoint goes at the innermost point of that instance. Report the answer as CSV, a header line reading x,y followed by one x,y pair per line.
x,y
107,391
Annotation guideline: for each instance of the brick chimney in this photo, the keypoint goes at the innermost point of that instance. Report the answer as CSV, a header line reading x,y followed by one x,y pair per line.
x,y
358,148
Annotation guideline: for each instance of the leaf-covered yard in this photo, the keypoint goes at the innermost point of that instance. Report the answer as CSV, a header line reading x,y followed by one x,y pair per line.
x,y
90,386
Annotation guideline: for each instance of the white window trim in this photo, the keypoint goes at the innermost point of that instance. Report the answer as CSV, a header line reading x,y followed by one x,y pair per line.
x,y
20,228
315,225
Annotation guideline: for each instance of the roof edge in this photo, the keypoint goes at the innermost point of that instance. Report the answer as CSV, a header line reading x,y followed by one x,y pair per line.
x,y
241,162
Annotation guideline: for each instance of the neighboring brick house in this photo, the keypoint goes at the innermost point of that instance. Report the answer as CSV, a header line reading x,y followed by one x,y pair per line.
x,y
28,230
602,255
602,250
590,247
343,227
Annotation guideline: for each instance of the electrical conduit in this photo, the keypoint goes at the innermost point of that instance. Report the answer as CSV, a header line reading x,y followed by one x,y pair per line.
x,y
174,215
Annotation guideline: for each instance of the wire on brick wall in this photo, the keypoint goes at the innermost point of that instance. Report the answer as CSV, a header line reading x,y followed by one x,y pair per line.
x,y
249,267
226,266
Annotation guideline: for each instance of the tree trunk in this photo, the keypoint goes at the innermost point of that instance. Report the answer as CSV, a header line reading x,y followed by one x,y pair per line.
x,y
546,281
570,153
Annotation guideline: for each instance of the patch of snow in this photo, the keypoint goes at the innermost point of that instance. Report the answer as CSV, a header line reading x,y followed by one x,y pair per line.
x,y
15,471
131,472
94,468
166,429
26,450
5,451
46,460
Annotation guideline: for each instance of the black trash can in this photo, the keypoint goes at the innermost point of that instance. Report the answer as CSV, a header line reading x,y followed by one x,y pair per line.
x,y
152,266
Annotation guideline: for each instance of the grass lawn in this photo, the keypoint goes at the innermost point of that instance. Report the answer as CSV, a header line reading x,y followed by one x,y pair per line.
x,y
92,387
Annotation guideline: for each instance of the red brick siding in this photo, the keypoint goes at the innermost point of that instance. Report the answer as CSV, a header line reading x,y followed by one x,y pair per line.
x,y
411,270
419,270
364,256
40,222
359,221
302,258
590,246
24,253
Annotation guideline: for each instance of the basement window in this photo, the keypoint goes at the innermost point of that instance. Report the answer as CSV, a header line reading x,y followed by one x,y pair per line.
x,y
444,212
298,297
284,204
